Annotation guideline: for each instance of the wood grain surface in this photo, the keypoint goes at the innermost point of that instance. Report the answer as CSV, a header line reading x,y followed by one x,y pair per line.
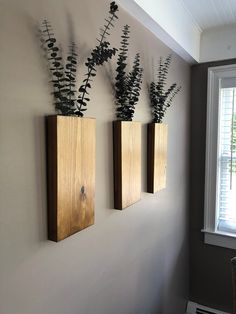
x,y
127,163
71,175
157,156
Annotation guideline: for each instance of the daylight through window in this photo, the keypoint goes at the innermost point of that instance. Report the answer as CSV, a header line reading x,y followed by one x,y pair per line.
x,y
226,196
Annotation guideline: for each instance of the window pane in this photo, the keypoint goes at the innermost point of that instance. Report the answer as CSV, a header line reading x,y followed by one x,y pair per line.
x,y
226,200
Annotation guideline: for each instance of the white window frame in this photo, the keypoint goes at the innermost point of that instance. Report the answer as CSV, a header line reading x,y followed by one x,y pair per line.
x,y
211,235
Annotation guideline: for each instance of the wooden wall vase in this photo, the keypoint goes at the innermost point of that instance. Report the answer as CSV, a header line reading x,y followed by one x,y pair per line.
x,y
157,156
71,175
127,163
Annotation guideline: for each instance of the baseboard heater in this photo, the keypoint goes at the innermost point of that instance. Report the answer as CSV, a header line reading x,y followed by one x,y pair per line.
x,y
194,308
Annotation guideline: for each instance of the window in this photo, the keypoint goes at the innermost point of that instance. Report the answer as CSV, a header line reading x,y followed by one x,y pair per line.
x,y
220,182
226,197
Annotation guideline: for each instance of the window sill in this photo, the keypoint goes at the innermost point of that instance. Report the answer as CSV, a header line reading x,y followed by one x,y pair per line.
x,y
223,239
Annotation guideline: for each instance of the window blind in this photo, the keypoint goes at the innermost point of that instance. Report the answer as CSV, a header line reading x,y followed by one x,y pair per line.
x,y
226,190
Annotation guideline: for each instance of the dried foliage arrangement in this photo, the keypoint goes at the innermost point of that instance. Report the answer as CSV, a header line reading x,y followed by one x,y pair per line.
x,y
162,97
59,80
128,85
67,101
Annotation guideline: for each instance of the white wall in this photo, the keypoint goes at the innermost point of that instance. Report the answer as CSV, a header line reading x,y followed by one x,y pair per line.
x,y
134,261
218,44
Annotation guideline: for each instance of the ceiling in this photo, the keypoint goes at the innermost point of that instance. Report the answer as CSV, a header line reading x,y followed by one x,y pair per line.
x,y
212,13
197,30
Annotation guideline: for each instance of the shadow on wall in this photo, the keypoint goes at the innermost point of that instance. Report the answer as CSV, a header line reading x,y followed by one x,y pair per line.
x,y
40,177
162,290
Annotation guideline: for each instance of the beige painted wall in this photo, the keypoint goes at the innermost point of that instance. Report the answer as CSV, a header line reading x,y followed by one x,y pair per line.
x,y
134,261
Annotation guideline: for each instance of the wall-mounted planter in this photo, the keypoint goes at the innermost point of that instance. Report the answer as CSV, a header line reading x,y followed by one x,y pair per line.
x,y
71,175
157,134
127,163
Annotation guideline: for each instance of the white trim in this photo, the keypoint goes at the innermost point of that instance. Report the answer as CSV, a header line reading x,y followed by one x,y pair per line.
x,y
215,75
227,240
192,308
191,56
211,150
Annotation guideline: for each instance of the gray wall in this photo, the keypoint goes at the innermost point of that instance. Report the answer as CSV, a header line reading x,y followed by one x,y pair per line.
x,y
134,261
210,268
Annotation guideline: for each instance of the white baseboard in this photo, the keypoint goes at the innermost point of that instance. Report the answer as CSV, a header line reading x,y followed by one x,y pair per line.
x,y
195,308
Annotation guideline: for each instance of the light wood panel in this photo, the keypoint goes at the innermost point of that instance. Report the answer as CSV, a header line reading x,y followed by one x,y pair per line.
x,y
71,175
157,156
127,163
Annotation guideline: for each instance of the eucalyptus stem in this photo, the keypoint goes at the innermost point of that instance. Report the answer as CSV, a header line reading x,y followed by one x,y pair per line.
x,y
53,56
161,97
100,54
64,77
127,85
